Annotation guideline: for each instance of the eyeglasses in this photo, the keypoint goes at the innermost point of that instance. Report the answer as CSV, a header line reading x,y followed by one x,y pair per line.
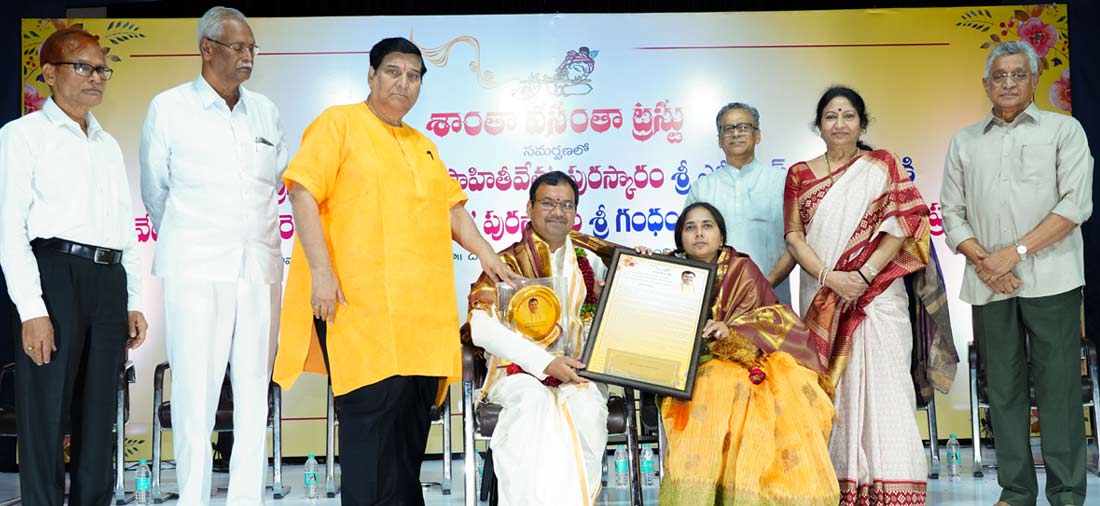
x,y
741,128
1002,77
567,206
85,70
238,47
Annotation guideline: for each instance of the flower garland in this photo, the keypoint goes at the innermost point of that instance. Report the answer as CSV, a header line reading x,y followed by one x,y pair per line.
x,y
588,309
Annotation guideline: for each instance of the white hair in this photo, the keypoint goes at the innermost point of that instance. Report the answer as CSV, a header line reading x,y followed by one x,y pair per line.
x,y
212,24
1013,47
737,105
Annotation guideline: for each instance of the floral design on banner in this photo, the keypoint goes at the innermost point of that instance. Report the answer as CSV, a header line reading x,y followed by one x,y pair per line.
x,y
1044,27
438,56
32,101
35,90
1059,93
1040,35
568,78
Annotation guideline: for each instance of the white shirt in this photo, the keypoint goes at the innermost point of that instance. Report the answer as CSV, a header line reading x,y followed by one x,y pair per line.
x,y
209,178
55,181
751,202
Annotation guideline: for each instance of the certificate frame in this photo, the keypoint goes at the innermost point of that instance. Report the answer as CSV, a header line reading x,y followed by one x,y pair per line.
x,y
613,320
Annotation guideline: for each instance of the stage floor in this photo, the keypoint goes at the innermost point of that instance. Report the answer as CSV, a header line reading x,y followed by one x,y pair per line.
x,y
967,491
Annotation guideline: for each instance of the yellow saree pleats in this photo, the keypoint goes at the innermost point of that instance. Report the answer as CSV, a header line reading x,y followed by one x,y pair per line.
x,y
741,444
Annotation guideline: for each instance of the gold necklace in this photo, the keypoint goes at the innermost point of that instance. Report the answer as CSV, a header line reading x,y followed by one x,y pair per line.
x,y
379,116
829,169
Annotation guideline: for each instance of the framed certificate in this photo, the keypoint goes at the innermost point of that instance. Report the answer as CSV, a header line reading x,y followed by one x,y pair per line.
x,y
646,331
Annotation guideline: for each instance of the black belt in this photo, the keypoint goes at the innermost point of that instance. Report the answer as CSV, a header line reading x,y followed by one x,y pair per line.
x,y
105,256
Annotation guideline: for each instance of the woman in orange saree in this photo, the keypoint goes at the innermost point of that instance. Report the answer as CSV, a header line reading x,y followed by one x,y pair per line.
x,y
756,430
857,226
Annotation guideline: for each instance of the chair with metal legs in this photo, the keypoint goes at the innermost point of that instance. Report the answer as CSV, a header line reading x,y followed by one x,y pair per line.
x,y
8,422
331,488
223,422
122,414
933,437
440,415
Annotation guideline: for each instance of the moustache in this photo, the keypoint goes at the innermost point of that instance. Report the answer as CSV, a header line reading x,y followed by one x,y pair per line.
x,y
242,66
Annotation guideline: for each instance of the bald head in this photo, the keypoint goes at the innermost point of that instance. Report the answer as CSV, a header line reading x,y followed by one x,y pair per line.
x,y
64,44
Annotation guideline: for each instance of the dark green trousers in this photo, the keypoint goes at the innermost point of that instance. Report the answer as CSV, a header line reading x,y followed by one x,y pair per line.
x,y
1040,336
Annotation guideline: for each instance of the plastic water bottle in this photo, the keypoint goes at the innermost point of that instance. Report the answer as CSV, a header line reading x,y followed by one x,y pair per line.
x,y
143,495
622,468
954,458
649,469
479,461
311,477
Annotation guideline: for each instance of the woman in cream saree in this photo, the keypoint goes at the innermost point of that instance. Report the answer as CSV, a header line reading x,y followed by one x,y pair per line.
x,y
857,226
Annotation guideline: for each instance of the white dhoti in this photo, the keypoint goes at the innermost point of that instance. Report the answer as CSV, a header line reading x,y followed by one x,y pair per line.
x,y
208,325
549,443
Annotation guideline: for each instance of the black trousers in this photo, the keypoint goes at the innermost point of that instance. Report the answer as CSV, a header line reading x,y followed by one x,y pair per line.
x,y
74,393
383,433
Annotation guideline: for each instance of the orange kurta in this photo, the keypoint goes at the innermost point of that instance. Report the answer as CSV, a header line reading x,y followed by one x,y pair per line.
x,y
385,200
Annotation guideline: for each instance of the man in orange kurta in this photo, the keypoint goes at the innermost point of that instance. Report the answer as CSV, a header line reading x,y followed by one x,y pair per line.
x,y
370,295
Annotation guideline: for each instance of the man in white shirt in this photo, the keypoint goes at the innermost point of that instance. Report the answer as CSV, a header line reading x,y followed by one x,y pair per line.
x,y
67,247
749,194
549,442
212,154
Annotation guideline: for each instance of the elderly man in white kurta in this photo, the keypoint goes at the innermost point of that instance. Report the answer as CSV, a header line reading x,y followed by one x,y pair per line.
x,y
212,154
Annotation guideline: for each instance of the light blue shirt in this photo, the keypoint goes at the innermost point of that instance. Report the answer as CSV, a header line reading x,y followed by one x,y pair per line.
x,y
751,202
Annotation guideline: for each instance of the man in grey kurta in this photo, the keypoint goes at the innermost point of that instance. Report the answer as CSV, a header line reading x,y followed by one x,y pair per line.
x,y
1017,186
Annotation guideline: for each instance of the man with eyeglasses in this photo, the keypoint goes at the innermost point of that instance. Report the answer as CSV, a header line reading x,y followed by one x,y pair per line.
x,y
67,247
549,443
1017,185
370,293
212,153
749,194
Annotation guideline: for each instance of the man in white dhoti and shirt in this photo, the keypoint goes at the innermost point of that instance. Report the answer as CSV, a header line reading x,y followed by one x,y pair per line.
x,y
212,154
549,442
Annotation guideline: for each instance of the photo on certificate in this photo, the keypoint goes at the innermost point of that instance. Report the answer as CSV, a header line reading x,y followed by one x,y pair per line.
x,y
646,332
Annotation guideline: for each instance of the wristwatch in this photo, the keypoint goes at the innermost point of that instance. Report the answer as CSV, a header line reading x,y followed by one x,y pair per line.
x,y
1021,250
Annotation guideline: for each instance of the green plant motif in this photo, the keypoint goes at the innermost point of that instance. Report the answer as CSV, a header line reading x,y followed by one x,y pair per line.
x,y
121,31
978,19
132,445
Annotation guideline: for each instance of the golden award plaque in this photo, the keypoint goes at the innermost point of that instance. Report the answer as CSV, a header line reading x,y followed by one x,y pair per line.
x,y
535,311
